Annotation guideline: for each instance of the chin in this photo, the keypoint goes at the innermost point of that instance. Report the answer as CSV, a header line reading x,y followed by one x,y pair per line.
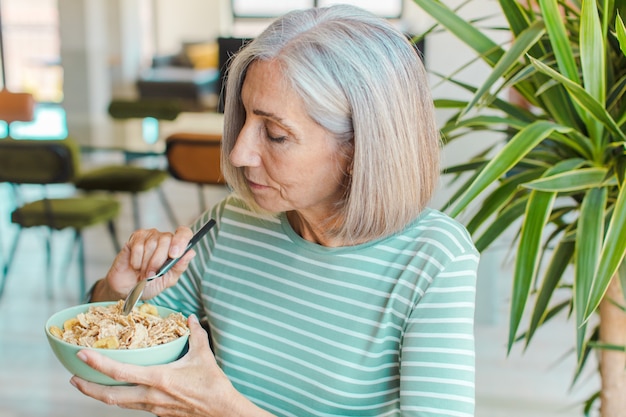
x,y
262,207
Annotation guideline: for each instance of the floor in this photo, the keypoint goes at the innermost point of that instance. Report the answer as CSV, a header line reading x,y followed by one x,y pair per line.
x,y
535,383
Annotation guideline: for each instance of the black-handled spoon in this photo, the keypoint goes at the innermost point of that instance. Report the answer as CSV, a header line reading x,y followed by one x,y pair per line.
x,y
135,294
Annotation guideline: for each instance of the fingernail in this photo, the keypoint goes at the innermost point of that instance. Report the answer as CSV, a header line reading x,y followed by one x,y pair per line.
x,y
74,384
81,355
193,318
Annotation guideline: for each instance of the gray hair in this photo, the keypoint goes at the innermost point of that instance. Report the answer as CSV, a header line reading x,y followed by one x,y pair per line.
x,y
363,81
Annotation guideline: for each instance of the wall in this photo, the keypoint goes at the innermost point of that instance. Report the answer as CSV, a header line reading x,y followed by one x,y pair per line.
x,y
85,60
189,21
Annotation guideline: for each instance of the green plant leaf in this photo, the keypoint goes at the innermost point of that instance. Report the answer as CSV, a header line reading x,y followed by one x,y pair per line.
x,y
608,346
559,261
584,99
490,122
526,263
559,39
561,256
471,166
574,180
519,18
463,186
592,61
620,30
612,255
515,112
615,99
621,273
589,236
550,314
463,30
516,16
499,197
592,51
590,403
579,143
519,145
501,223
509,60
593,338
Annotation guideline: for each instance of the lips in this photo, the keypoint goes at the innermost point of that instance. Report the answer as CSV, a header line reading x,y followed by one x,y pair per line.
x,y
255,185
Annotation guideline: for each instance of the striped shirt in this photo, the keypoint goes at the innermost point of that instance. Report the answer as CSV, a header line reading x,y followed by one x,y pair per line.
x,y
379,329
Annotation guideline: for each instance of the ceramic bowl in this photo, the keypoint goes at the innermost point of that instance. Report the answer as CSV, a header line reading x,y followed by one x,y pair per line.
x,y
66,352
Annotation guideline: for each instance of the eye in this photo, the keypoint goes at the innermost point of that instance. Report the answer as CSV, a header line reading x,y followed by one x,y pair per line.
x,y
274,136
277,139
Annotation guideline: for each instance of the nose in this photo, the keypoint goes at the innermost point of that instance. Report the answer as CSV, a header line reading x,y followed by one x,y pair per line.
x,y
245,153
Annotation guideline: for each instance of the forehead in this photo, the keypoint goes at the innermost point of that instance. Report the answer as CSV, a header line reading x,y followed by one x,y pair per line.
x,y
261,70
266,90
265,77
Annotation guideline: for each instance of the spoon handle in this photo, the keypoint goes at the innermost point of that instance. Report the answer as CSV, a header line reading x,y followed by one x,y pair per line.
x,y
195,239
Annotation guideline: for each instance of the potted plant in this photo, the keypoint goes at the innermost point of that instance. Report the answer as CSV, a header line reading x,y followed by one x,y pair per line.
x,y
557,176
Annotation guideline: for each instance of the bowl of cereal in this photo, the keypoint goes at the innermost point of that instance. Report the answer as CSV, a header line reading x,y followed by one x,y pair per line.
x,y
149,335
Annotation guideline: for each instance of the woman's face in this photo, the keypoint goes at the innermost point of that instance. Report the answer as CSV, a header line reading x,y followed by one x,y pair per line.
x,y
289,161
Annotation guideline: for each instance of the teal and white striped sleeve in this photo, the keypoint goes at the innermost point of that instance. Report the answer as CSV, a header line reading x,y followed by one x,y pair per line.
x,y
437,369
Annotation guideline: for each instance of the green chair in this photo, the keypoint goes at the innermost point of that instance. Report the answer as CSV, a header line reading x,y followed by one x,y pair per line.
x,y
130,179
44,163
120,109
133,179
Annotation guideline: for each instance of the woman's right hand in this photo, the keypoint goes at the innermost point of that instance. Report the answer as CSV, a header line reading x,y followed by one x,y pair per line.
x,y
142,256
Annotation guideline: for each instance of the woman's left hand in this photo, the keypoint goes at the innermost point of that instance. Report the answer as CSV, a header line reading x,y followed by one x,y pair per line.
x,y
192,386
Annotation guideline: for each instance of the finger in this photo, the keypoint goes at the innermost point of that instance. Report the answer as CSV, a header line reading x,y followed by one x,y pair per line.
x,y
182,264
181,238
171,278
160,246
132,396
136,246
198,337
121,372
135,397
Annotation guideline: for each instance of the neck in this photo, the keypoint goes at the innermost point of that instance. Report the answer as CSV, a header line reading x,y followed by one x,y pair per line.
x,y
314,231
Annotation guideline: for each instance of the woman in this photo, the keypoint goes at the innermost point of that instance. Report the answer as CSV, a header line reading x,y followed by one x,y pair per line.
x,y
329,287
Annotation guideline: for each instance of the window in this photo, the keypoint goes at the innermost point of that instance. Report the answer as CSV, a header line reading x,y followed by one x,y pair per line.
x,y
257,9
31,48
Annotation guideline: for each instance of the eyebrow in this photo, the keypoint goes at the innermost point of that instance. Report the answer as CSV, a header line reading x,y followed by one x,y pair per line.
x,y
274,117
268,115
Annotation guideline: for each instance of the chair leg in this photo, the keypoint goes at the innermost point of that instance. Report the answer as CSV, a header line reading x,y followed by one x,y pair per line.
x,y
64,270
2,262
49,269
82,273
3,281
113,233
135,201
168,208
78,247
6,263
9,261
